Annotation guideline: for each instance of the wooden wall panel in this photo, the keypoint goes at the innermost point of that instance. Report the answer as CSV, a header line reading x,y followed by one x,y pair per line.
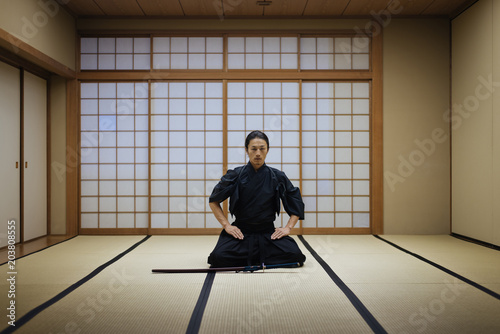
x,y
35,157
10,146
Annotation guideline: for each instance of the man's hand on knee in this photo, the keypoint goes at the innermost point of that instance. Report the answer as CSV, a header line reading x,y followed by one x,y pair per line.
x,y
280,232
234,231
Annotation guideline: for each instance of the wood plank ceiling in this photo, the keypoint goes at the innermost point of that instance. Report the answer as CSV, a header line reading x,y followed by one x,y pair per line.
x,y
263,8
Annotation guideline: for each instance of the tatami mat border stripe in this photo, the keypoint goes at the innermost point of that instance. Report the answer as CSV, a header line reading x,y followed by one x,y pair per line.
x,y
195,321
34,312
475,241
360,307
37,251
446,270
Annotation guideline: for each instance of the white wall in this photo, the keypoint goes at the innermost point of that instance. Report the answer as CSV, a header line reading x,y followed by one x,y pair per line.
x,y
475,122
416,138
58,166
42,24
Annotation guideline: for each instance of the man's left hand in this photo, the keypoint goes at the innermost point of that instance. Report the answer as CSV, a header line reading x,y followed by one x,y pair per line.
x,y
280,232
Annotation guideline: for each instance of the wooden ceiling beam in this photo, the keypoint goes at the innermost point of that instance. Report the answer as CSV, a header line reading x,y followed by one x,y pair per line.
x,y
161,7
120,7
251,8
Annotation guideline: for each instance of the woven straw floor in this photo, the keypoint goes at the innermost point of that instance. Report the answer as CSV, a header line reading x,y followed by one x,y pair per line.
x,y
403,293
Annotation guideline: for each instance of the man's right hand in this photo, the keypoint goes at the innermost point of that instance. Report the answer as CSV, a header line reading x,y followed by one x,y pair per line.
x,y
234,231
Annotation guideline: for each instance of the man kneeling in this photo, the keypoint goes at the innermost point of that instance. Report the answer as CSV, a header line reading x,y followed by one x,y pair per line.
x,y
255,191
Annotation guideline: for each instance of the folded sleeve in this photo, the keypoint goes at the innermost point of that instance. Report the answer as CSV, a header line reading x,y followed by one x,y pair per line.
x,y
225,187
291,197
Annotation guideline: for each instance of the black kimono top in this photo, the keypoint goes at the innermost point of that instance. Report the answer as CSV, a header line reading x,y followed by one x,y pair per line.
x,y
255,195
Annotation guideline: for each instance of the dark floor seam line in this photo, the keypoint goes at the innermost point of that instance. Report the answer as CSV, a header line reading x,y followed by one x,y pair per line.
x,y
34,312
446,270
360,307
37,251
475,241
197,315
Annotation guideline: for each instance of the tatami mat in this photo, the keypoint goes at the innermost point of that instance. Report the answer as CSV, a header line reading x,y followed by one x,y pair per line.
x,y
127,298
478,263
299,300
404,294
43,275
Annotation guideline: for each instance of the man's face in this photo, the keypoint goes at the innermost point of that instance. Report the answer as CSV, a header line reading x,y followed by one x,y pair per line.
x,y
257,151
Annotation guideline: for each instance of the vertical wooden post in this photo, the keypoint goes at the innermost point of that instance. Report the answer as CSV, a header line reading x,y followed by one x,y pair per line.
x,y
72,157
377,171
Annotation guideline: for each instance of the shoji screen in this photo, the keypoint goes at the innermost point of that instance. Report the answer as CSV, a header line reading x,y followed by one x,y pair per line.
x,y
151,152
110,53
336,154
114,155
270,106
262,52
180,53
186,152
334,53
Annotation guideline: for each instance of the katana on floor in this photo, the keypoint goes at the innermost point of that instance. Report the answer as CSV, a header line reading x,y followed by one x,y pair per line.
x,y
235,269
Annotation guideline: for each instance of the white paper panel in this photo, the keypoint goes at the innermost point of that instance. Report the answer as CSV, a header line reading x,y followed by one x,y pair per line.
x,y
361,204
124,62
126,188
325,187
109,172
159,220
360,61
343,220
361,171
141,204
361,45
179,61
159,204
89,188
88,62
106,62
214,44
126,204
361,219
125,45
159,188
141,171
141,220
88,45
125,220
324,45
325,220
179,44
308,45
89,220
326,203
161,61
161,44
325,171
106,45
343,187
89,204
107,188
273,61
343,203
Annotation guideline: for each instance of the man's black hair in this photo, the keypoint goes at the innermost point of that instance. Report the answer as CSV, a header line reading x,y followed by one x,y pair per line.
x,y
256,134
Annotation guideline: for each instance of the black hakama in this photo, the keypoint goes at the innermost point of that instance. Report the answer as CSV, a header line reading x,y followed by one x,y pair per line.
x,y
254,201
